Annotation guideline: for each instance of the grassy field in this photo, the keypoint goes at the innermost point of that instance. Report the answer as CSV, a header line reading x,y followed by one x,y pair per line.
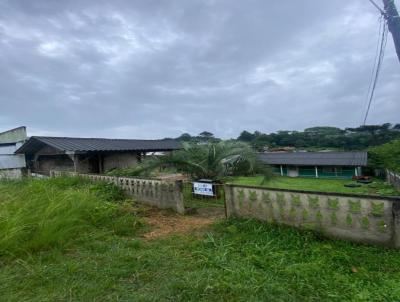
x,y
378,187
84,243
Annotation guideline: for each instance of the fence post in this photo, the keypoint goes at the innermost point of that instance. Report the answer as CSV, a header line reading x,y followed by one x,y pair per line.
x,y
228,200
396,224
180,207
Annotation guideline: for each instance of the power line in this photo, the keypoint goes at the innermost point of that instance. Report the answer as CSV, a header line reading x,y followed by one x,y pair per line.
x,y
381,24
377,66
377,6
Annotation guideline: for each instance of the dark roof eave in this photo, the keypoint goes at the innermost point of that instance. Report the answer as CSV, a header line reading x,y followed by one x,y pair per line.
x,y
71,145
354,159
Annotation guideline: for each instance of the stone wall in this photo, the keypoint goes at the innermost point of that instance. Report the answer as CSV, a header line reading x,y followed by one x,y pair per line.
x,y
158,193
359,218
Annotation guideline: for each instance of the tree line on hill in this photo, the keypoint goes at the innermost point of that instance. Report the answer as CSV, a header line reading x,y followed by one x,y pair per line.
x,y
314,138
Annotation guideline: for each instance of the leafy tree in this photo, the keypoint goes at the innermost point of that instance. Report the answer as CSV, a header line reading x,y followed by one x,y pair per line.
x,y
214,160
206,134
325,130
386,156
246,136
185,137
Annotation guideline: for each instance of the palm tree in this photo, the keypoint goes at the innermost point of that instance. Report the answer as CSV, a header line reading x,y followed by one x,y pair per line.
x,y
214,160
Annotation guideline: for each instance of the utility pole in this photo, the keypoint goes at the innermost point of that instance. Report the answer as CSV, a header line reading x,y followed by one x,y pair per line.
x,y
393,20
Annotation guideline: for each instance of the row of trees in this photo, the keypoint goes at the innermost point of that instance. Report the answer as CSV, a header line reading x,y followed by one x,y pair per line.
x,y
359,138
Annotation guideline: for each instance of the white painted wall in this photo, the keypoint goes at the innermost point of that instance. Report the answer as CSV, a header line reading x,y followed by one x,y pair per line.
x,y
10,141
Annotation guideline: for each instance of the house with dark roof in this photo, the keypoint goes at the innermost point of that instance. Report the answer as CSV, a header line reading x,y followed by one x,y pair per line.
x,y
317,164
88,155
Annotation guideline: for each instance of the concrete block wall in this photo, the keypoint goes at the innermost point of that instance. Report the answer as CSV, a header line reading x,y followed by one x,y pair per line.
x,y
158,193
11,174
393,178
358,218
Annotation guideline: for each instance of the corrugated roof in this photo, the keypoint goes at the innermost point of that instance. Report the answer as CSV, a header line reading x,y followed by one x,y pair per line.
x,y
358,158
75,144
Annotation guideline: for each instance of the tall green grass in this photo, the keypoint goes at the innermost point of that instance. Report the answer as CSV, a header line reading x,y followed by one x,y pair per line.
x,y
104,259
37,215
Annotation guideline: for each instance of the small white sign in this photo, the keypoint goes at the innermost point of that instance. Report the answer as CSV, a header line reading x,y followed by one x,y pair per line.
x,y
202,188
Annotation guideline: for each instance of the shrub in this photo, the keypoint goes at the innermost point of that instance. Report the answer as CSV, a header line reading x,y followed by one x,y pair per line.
x,y
386,156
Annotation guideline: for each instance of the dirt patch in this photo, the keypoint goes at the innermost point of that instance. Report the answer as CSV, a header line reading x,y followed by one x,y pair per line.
x,y
164,224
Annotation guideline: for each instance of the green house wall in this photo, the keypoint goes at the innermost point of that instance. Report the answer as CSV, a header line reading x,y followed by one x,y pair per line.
x,y
309,171
277,170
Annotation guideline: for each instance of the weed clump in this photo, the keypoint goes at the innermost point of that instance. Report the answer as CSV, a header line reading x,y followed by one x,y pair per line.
x,y
38,215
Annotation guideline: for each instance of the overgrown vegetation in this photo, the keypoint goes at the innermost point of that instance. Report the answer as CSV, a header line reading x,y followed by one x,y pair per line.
x,y
377,187
104,258
135,171
39,215
237,260
386,156
216,160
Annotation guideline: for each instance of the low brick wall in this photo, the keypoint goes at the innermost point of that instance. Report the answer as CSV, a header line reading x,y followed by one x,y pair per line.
x,y
359,218
158,193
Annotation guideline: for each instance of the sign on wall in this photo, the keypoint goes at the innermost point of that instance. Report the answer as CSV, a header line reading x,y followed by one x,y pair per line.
x,y
202,188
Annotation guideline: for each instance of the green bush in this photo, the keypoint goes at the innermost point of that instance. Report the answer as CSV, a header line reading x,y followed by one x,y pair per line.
x,y
139,170
108,191
37,215
386,156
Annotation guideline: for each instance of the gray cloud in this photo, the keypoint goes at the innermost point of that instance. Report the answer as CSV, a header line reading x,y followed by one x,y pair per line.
x,y
147,69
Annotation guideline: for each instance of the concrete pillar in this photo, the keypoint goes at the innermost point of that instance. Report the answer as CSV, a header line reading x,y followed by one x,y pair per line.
x,y
179,204
74,159
396,224
229,201
281,170
316,172
356,171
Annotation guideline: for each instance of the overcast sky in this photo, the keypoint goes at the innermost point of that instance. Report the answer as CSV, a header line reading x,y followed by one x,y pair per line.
x,y
159,68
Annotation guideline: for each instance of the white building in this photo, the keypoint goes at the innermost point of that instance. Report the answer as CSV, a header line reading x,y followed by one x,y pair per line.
x,y
12,165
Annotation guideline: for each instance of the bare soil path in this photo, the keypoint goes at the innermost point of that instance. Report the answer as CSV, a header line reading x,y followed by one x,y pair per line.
x,y
165,223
